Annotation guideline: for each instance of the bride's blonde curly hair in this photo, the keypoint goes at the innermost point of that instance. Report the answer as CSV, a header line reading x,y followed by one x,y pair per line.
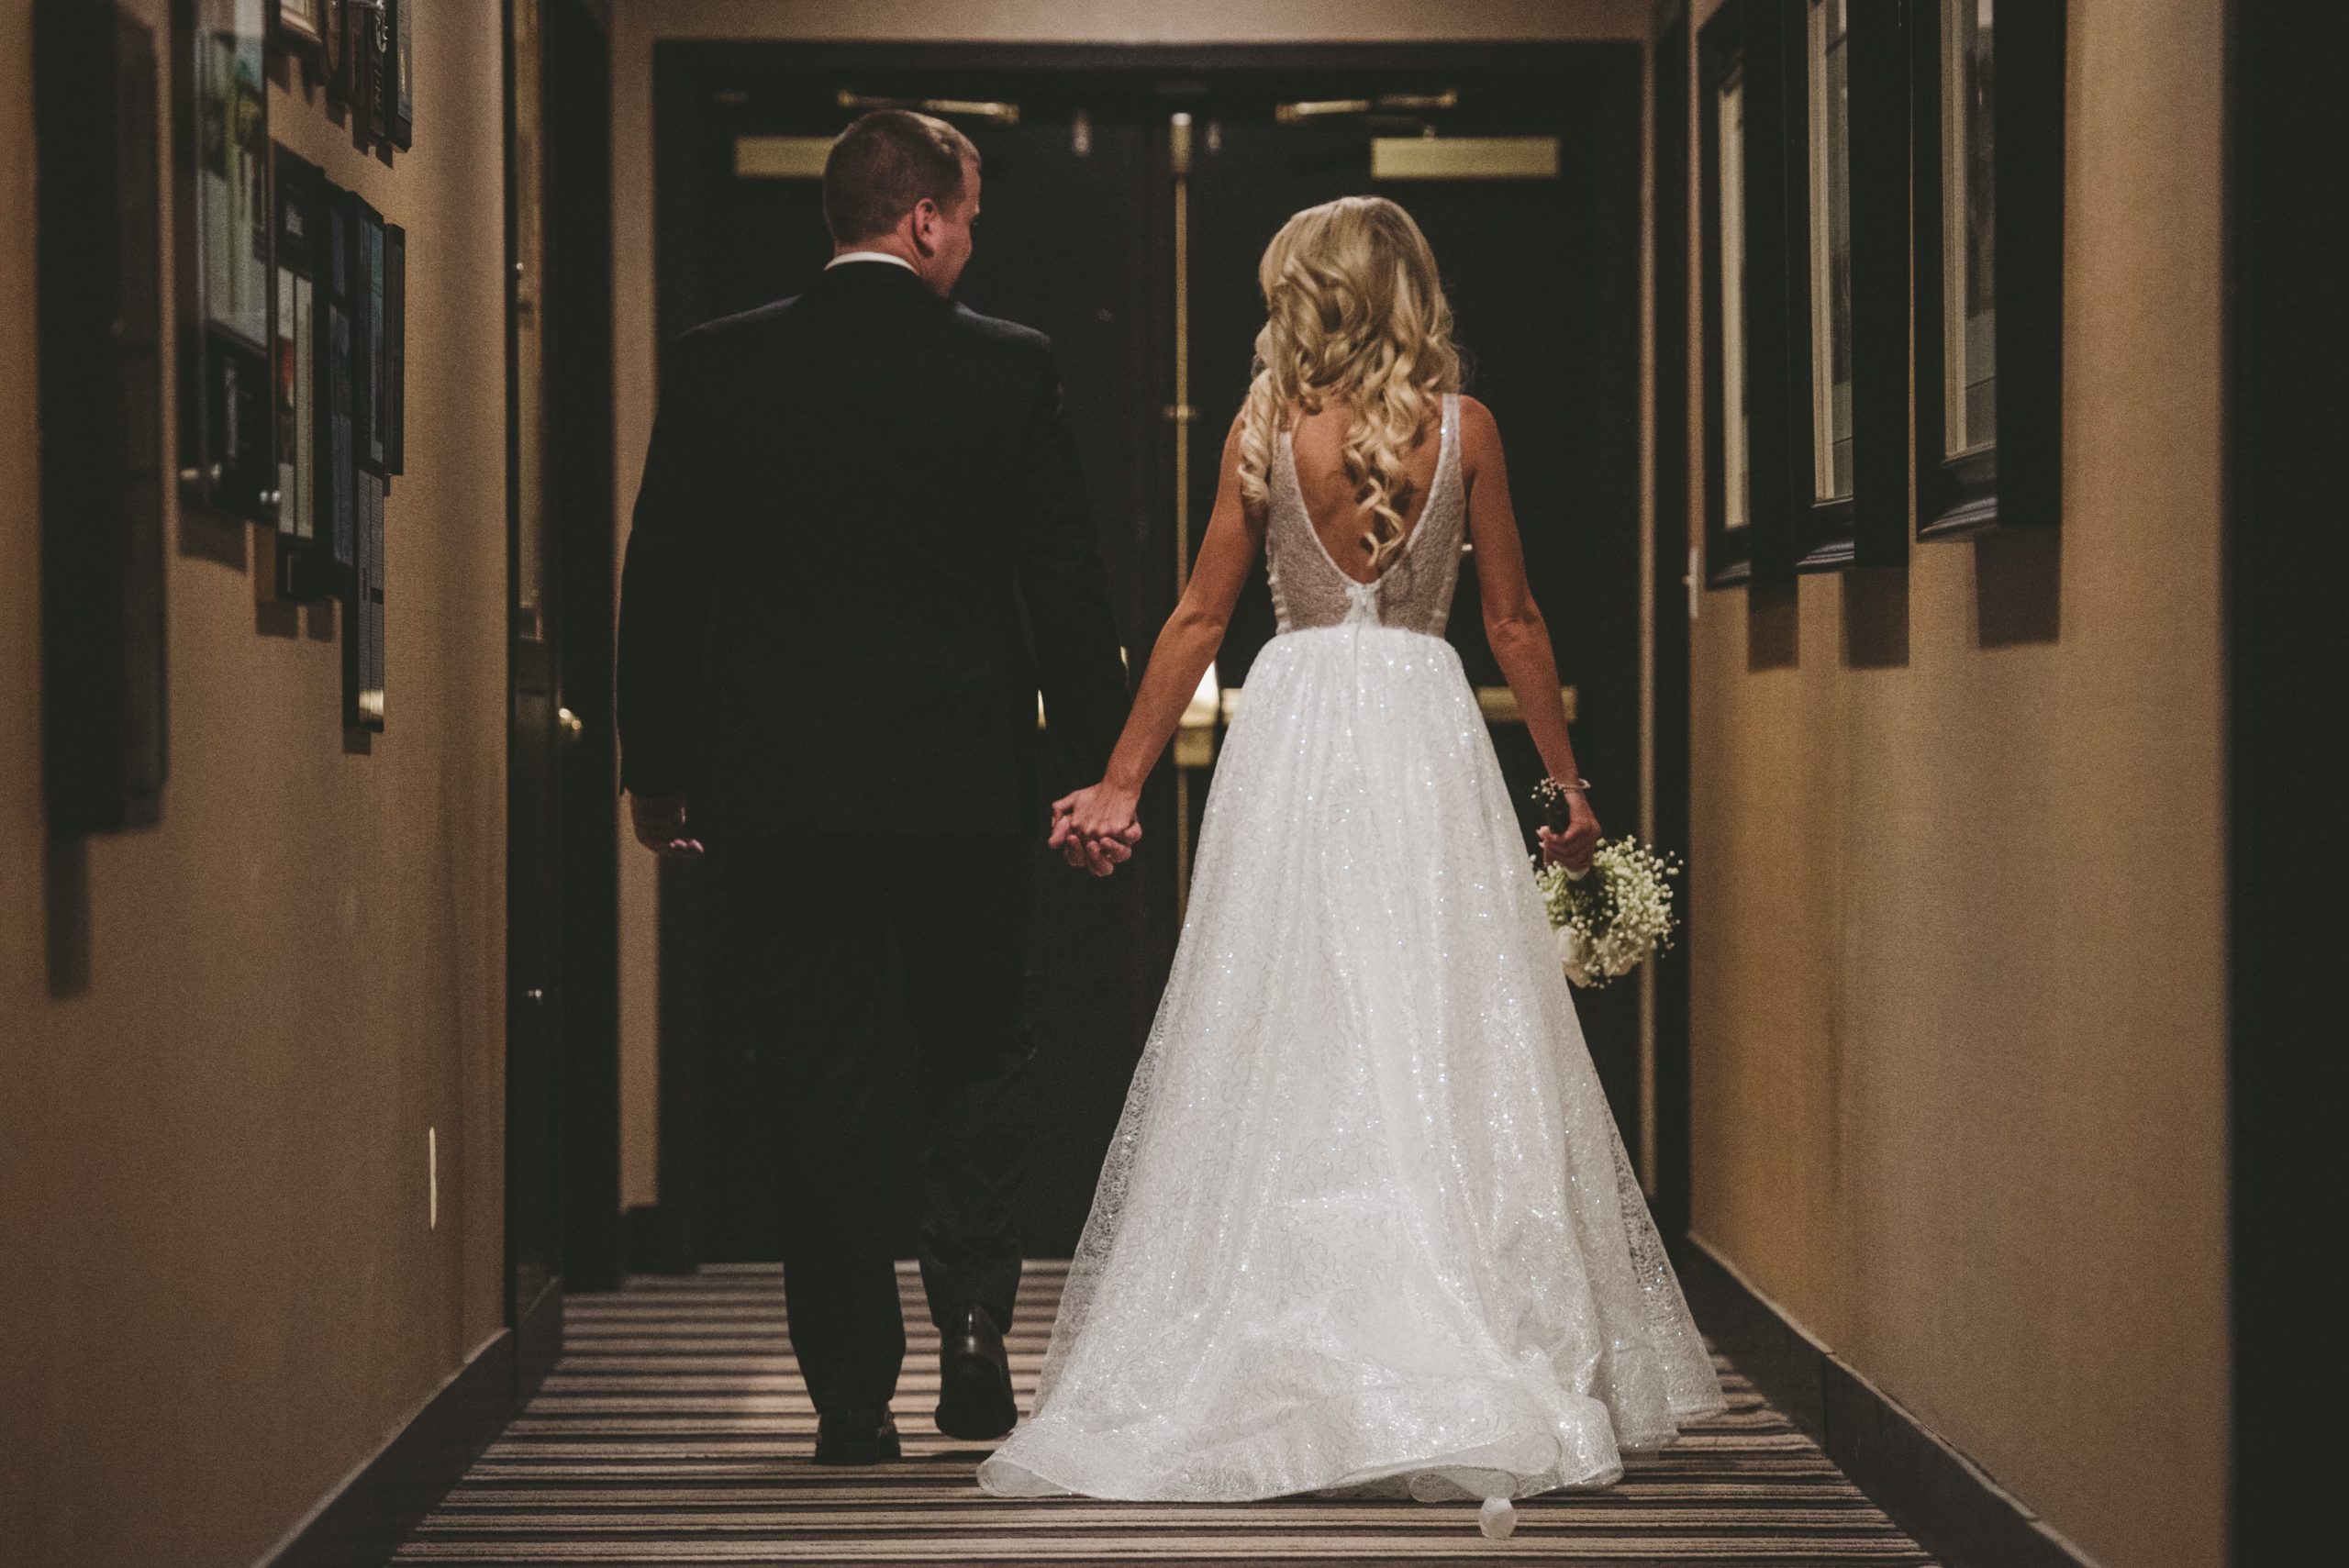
x,y
1355,311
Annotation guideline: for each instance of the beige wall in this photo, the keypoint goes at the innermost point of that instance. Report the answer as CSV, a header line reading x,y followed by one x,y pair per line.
x,y
220,1293
638,25
1958,1044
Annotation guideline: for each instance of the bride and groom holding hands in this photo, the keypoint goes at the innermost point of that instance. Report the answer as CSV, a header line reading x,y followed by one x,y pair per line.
x,y
1366,1226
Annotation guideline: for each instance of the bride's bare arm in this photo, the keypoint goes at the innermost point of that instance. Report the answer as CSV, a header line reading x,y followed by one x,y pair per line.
x,y
1185,647
1513,624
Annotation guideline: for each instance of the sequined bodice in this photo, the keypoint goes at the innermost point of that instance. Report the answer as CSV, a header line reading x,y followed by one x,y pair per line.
x,y
1414,592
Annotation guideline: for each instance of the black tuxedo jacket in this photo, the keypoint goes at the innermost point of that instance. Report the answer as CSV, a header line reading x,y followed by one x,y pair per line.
x,y
849,498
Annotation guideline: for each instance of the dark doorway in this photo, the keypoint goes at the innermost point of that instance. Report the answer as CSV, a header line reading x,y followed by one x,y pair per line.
x,y
1102,166
534,868
1671,589
562,1059
578,338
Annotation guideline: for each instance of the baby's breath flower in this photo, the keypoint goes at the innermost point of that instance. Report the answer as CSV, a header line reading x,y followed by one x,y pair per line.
x,y
1615,914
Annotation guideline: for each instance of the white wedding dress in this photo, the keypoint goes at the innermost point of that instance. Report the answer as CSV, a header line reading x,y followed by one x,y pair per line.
x,y
1365,1227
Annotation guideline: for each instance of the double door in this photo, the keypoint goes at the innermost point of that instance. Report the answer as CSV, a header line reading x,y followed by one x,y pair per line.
x,y
1128,197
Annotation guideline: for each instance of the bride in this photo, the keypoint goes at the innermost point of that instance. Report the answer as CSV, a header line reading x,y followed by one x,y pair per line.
x,y
1366,1226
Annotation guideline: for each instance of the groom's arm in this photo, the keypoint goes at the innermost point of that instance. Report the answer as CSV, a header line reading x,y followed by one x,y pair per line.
x,y
666,586
1067,593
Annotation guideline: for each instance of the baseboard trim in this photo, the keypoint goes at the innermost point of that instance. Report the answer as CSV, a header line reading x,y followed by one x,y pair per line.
x,y
365,1518
1952,1507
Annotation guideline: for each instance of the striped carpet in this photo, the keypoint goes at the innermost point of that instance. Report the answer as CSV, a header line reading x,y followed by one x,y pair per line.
x,y
674,1431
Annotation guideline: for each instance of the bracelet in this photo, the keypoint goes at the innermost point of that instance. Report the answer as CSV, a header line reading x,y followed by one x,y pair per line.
x,y
1580,785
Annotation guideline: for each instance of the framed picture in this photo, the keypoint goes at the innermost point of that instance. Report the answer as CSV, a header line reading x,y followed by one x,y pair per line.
x,y
1750,291
224,224
1720,138
1987,151
294,365
345,27
333,50
363,619
1843,76
375,54
373,413
298,27
395,348
324,568
401,98
105,698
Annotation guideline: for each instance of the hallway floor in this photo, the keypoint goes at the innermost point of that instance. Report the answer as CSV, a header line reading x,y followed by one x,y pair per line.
x,y
674,1431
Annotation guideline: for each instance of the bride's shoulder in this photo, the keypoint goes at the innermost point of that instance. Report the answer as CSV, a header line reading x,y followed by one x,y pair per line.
x,y
1480,433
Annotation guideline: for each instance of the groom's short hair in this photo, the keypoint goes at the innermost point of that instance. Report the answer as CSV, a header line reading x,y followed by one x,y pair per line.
x,y
884,164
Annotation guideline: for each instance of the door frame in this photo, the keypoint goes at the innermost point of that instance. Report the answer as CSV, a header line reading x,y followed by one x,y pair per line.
x,y
667,1237
576,103
1672,594
2283,402
532,995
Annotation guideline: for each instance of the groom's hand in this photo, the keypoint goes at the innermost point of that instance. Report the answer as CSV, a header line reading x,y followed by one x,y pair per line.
x,y
660,823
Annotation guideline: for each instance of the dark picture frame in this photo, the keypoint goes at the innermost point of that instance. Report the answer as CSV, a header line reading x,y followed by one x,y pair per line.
x,y
225,220
346,29
395,348
1880,304
2005,470
1771,293
369,362
106,729
1818,526
375,29
1727,441
400,64
362,614
297,29
1850,506
294,361
334,51
372,410
323,569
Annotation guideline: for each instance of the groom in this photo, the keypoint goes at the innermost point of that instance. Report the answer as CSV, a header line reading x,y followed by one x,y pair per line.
x,y
861,511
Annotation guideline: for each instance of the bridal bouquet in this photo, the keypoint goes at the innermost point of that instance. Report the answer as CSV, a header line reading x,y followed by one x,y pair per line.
x,y
1614,915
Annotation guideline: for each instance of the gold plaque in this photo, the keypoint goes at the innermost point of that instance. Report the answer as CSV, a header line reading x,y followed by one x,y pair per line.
x,y
1497,704
1464,158
781,157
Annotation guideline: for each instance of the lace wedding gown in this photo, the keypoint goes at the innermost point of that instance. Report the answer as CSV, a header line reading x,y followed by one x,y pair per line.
x,y
1365,1227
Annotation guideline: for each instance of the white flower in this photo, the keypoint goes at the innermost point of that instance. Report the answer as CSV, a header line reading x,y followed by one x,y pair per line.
x,y
1574,952
1612,916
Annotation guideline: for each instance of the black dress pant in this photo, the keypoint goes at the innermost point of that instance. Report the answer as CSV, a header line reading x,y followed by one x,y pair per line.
x,y
806,927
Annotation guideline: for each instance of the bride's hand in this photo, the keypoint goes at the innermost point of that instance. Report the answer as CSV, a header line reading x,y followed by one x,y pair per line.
x,y
1573,847
1095,827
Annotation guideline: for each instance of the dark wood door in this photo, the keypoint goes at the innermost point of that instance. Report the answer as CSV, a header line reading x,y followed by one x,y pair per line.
x,y
576,324
533,862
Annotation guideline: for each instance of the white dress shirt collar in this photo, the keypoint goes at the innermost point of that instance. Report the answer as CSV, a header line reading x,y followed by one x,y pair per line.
x,y
868,256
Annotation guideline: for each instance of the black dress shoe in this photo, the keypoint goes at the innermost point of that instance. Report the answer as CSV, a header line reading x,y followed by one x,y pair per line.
x,y
975,1398
857,1435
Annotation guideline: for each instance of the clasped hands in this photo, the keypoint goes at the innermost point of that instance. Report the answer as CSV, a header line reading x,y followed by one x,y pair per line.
x,y
1094,828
